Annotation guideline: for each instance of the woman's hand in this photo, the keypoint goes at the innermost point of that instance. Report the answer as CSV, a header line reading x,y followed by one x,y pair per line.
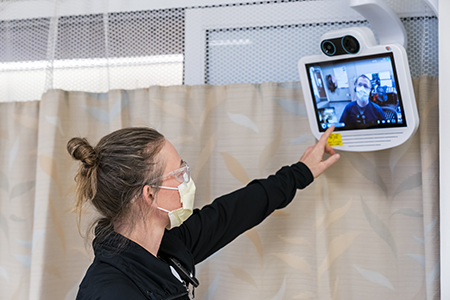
x,y
313,156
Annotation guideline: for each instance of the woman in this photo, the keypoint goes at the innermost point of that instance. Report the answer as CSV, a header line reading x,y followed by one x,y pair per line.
x,y
149,238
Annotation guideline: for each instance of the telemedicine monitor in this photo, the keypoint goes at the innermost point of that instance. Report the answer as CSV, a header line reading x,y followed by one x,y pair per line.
x,y
367,96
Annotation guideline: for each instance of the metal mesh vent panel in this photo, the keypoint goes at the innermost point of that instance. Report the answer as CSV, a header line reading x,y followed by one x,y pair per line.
x,y
263,54
159,32
127,50
80,37
423,47
24,40
93,53
128,34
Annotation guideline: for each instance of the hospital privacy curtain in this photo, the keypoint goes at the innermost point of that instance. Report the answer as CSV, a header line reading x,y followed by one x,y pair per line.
x,y
366,229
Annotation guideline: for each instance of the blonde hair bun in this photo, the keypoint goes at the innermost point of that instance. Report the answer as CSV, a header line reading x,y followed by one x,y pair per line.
x,y
80,149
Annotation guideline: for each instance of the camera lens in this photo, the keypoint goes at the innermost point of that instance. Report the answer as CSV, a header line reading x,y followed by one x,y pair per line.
x,y
350,44
328,48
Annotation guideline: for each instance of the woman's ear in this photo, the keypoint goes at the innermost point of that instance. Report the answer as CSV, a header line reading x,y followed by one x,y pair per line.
x,y
148,194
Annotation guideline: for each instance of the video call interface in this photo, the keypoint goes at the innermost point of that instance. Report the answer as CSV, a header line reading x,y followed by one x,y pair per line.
x,y
356,93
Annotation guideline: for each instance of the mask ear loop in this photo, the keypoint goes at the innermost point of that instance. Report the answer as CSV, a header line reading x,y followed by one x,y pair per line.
x,y
168,187
167,211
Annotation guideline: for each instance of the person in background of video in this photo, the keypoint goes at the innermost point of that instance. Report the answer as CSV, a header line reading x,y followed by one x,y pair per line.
x,y
362,112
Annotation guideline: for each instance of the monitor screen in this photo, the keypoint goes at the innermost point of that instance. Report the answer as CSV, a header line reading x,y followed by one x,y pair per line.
x,y
356,93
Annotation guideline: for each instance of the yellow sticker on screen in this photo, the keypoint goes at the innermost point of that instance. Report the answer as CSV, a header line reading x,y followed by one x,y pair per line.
x,y
335,139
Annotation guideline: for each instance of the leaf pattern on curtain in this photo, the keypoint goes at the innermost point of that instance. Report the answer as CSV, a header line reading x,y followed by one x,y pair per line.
x,y
336,248
4,182
13,153
366,169
281,291
296,262
27,121
305,296
366,229
379,227
243,275
205,154
253,235
375,277
271,149
235,168
21,188
292,106
4,274
4,226
244,121
296,241
334,215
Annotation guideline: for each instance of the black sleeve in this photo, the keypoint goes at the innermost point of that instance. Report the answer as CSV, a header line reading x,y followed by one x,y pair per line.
x,y
220,222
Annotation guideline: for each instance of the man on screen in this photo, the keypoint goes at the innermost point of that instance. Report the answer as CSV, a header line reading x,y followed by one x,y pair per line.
x,y
362,112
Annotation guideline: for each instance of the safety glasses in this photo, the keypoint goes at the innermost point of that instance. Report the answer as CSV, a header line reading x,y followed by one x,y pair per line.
x,y
181,175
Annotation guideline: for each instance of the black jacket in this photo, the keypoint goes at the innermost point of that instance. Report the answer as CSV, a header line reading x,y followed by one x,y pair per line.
x,y
134,273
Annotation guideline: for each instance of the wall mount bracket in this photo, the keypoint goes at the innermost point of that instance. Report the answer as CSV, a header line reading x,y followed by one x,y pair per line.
x,y
383,20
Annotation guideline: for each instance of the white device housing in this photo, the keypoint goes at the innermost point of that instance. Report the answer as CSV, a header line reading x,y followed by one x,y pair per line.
x,y
377,137
383,20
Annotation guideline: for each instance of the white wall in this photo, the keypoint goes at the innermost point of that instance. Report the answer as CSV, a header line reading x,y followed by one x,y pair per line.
x,y
444,139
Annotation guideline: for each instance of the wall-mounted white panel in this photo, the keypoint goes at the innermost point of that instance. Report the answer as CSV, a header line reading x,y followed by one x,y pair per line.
x,y
201,20
263,42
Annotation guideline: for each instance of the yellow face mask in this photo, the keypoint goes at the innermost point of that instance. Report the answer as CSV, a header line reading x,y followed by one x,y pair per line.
x,y
187,194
